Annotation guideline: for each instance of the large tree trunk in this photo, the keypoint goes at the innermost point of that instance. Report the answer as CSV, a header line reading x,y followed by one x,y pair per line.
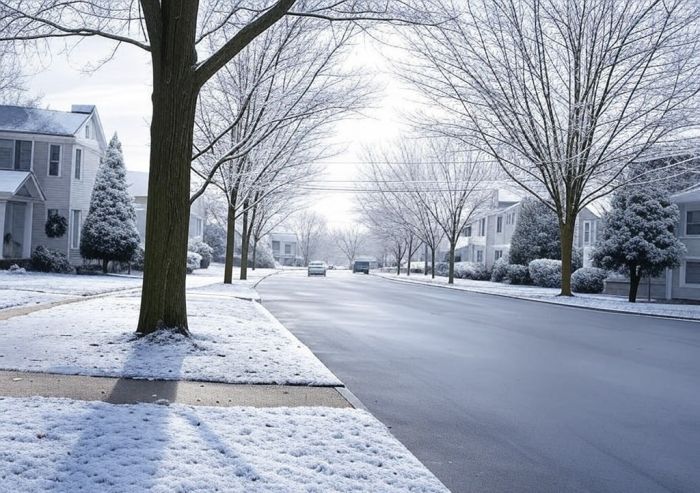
x,y
255,252
635,277
245,243
566,231
451,272
230,240
105,265
163,302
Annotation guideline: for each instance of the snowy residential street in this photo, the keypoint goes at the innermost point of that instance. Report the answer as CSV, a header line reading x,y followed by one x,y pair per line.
x,y
500,394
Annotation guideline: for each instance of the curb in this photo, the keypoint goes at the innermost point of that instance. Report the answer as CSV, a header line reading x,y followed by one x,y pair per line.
x,y
510,296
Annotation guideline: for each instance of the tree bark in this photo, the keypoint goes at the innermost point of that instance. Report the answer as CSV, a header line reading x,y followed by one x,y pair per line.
x,y
245,243
432,262
163,302
410,251
451,271
105,265
566,231
425,258
635,278
230,240
255,252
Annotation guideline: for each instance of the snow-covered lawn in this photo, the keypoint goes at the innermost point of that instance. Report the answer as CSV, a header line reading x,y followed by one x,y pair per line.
x,y
233,340
549,295
64,284
73,446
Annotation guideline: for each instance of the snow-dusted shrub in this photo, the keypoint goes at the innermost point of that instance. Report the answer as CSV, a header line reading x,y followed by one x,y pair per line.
x,y
138,258
47,260
588,280
471,270
517,274
500,270
204,250
16,269
194,260
545,272
442,269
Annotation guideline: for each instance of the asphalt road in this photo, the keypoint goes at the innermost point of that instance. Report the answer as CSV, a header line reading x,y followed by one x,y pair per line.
x,y
496,394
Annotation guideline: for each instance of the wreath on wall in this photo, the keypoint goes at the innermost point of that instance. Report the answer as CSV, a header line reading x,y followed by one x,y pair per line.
x,y
56,226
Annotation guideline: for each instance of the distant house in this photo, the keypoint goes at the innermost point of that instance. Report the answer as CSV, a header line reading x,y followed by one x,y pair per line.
x,y
487,238
138,188
285,249
48,164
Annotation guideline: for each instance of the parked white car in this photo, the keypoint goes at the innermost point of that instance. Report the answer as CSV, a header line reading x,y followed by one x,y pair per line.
x,y
317,268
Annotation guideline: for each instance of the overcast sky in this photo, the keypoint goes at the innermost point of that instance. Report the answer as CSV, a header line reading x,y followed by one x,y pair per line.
x,y
121,91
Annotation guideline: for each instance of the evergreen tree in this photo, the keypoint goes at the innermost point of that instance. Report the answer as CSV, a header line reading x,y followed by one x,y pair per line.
x,y
536,234
109,231
638,238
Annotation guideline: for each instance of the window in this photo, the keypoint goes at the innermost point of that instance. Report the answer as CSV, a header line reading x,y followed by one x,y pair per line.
x,y
51,212
75,225
479,255
692,272
497,254
87,130
499,224
54,160
692,223
586,232
468,230
276,247
198,226
78,168
287,249
482,227
16,154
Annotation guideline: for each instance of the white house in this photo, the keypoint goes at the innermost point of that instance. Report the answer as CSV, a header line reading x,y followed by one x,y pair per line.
x,y
48,164
285,249
487,238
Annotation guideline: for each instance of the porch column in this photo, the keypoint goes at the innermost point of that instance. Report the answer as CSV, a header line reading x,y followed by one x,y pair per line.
x,y
2,227
27,240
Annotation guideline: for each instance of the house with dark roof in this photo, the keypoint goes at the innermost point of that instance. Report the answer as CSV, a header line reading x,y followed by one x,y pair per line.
x,y
48,164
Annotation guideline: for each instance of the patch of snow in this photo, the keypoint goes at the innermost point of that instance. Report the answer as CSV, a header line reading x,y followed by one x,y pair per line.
x,y
549,295
233,340
63,445
67,284
14,299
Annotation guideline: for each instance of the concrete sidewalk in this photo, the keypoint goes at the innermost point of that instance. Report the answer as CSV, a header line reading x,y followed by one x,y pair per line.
x,y
130,391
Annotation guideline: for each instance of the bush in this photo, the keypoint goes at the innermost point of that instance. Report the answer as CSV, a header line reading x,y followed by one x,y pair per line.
x,y
204,250
47,260
545,272
442,269
138,258
194,260
471,270
500,270
517,274
588,280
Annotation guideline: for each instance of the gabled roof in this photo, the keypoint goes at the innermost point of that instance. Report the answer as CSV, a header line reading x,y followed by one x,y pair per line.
x,y
44,122
690,195
19,183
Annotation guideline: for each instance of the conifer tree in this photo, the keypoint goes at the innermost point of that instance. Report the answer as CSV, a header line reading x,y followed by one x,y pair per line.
x,y
109,232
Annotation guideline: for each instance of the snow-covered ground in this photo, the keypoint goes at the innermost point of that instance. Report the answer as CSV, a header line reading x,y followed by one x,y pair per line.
x,y
72,446
549,295
233,340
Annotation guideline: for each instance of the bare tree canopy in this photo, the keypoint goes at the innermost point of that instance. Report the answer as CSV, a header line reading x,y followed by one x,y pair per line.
x,y
189,42
563,94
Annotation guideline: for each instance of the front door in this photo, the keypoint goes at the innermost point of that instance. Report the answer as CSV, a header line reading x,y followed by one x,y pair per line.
x,y
13,235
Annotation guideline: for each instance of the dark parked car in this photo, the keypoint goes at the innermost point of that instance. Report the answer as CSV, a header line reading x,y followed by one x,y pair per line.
x,y
360,266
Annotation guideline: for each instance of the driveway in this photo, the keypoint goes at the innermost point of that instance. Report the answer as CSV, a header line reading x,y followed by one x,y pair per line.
x,y
497,394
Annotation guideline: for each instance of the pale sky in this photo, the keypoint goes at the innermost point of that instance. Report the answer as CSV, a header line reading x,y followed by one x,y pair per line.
x,y
121,90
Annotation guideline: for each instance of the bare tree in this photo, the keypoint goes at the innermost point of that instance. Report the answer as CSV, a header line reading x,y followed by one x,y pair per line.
x,y
350,241
177,34
309,227
563,94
